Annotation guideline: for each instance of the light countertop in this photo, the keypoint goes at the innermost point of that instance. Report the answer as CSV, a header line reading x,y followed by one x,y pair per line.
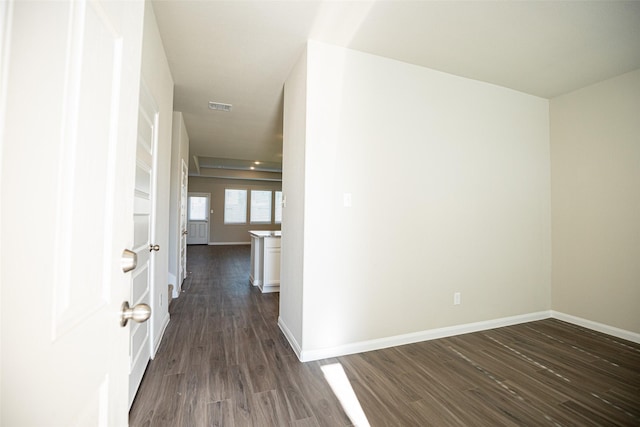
x,y
266,233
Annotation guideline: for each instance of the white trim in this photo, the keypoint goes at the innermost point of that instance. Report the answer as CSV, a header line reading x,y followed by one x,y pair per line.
x,y
449,331
228,243
196,162
177,287
267,289
431,334
181,270
6,19
292,340
599,327
158,341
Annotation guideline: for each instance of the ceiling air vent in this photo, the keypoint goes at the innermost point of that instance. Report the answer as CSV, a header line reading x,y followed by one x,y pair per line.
x,y
219,106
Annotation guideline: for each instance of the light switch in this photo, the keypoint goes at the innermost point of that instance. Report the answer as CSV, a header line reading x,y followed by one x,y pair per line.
x,y
346,200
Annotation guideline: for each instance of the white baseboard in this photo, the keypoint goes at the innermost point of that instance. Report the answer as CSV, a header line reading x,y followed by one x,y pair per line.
x,y
449,331
599,327
158,339
292,340
177,289
228,243
173,281
431,334
178,292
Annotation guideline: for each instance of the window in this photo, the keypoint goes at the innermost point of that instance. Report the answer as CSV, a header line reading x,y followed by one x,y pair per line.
x,y
260,206
235,206
278,207
197,208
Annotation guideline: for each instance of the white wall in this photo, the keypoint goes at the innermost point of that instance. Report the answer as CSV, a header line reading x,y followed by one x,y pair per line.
x,y
293,192
449,179
179,154
595,177
157,76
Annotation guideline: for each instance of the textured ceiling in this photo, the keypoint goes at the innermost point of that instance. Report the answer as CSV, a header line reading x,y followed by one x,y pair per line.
x,y
240,52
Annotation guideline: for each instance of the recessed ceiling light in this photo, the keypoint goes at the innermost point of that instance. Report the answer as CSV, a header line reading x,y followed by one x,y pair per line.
x,y
218,106
257,163
252,168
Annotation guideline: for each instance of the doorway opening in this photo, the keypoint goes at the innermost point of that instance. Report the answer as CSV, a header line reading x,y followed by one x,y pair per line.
x,y
198,218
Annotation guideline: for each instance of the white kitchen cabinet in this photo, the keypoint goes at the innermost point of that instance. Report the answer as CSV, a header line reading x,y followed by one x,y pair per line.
x,y
265,260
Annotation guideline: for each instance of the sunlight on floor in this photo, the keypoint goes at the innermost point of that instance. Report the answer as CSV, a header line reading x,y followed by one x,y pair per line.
x,y
337,379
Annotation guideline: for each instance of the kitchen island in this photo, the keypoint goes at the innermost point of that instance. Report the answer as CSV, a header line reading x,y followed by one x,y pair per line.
x,y
265,260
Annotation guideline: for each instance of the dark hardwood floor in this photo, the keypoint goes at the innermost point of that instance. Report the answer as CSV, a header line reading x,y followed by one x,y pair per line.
x,y
224,362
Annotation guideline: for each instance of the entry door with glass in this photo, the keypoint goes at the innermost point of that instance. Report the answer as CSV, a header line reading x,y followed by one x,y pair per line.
x,y
198,219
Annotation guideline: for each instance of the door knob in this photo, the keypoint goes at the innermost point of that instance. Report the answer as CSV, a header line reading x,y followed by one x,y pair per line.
x,y
140,313
128,261
154,248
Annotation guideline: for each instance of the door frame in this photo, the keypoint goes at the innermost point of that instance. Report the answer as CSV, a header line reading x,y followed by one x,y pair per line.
x,y
149,108
183,227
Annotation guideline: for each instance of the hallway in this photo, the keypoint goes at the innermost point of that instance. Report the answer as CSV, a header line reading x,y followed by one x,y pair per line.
x,y
224,362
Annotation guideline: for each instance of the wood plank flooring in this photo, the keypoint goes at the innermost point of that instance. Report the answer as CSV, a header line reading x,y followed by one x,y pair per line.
x,y
224,362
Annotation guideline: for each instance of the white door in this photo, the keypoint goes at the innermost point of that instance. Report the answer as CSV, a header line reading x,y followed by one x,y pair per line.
x,y
198,219
68,162
144,219
183,223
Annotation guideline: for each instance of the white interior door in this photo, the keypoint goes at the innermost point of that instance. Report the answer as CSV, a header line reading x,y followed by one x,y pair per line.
x,y
183,223
144,220
66,221
198,218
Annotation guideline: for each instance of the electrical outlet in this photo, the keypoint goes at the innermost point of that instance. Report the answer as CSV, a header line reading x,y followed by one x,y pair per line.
x,y
456,298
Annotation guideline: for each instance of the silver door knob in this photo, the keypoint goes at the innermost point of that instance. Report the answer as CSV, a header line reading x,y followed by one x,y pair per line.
x,y
128,261
140,313
154,248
